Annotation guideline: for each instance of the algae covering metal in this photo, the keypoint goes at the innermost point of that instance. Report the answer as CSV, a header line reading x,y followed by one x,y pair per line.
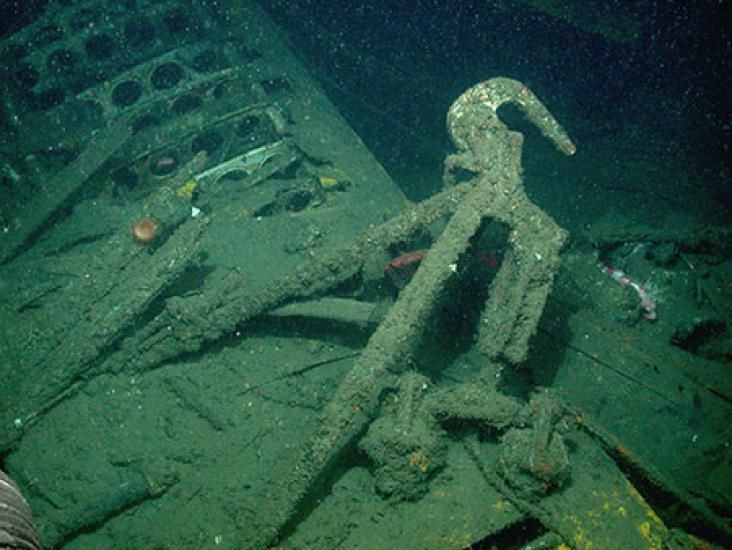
x,y
146,400
178,116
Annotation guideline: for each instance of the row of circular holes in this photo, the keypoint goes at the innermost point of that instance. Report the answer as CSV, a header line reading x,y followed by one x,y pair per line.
x,y
164,77
137,32
62,61
164,164
99,47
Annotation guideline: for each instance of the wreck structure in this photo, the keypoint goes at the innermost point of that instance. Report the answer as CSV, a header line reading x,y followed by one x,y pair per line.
x,y
201,370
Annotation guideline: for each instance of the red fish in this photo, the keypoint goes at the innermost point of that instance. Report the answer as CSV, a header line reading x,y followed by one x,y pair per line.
x,y
403,267
407,263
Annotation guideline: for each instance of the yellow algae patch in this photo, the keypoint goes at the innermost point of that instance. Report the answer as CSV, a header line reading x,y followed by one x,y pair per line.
x,y
652,531
186,190
328,182
332,178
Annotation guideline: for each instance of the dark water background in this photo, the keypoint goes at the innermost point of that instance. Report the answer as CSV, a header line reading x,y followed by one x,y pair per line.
x,y
394,68
641,112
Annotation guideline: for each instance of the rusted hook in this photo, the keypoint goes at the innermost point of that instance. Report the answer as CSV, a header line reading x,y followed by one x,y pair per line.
x,y
492,94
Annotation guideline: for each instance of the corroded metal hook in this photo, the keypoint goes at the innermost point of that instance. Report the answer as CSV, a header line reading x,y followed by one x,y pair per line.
x,y
492,94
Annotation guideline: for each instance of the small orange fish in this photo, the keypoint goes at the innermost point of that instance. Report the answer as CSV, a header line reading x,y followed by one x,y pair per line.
x,y
407,262
402,268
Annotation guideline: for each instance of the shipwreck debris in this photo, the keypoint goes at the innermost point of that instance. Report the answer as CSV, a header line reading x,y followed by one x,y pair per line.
x,y
487,149
121,284
58,192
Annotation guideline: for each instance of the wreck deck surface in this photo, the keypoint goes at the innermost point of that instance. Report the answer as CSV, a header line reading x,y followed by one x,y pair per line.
x,y
116,450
